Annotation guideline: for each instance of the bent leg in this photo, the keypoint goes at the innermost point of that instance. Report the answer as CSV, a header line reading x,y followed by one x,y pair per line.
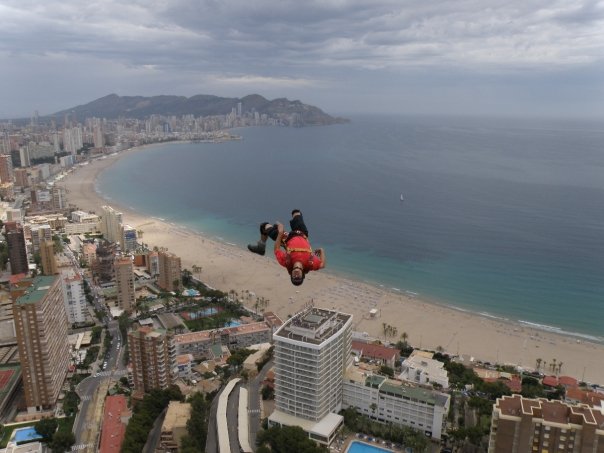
x,y
297,222
266,230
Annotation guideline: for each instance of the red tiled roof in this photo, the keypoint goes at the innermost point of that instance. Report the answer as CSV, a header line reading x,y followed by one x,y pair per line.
x,y
113,431
551,381
568,381
514,384
14,279
590,398
375,351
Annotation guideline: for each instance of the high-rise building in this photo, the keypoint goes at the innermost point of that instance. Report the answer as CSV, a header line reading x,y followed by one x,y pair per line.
x,y
6,168
74,297
98,138
39,234
520,425
152,359
21,177
153,263
111,224
47,256
59,200
17,251
128,238
312,352
124,281
169,271
24,156
41,328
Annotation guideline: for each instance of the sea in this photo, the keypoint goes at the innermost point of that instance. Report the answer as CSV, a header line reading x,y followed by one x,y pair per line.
x,y
497,216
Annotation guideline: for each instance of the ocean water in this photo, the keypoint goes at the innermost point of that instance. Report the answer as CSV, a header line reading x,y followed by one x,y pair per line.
x,y
500,217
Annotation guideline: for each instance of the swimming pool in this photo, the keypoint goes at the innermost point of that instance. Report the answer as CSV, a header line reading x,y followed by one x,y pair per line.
x,y
361,447
27,434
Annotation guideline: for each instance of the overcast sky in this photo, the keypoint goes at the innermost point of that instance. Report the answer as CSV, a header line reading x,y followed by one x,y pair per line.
x,y
512,57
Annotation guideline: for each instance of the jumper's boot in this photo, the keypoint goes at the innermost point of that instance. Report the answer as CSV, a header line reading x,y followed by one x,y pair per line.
x,y
259,248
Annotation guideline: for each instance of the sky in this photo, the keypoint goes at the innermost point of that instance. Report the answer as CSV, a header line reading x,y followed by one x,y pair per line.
x,y
469,57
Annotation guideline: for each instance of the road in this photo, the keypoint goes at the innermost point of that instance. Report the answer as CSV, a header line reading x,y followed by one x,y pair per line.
x,y
254,401
92,391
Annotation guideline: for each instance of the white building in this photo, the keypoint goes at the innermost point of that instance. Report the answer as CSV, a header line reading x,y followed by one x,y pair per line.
x,y
83,222
312,352
421,368
74,297
390,401
111,224
84,217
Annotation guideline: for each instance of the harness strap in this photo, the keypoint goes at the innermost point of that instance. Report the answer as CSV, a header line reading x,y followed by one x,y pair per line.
x,y
294,249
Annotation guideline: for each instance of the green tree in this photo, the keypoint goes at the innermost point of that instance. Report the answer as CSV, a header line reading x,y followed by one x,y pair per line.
x,y
288,439
62,441
384,369
46,428
187,278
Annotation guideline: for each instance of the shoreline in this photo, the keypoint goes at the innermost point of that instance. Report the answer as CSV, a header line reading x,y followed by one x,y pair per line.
x,y
429,324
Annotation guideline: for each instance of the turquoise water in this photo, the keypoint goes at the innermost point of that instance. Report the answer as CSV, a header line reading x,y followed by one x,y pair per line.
x,y
499,217
28,434
360,447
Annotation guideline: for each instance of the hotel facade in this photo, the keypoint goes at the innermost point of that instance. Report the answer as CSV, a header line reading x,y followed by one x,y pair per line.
x,y
391,401
312,352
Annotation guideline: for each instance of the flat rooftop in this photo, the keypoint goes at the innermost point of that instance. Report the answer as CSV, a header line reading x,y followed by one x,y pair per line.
x,y
37,290
314,325
205,335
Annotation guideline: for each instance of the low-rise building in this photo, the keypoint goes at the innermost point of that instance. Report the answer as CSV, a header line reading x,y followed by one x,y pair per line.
x,y
390,401
421,368
115,419
377,352
184,364
199,343
174,427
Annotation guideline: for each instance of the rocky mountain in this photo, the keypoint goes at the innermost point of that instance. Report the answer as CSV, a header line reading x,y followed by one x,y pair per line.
x,y
114,106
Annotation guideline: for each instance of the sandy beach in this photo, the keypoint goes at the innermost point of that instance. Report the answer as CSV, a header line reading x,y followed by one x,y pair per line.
x,y
428,325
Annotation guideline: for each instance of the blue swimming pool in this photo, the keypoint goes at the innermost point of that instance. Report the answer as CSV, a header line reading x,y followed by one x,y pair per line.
x,y
361,447
28,434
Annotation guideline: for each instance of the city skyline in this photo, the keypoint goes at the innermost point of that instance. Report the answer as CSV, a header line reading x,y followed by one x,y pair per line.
x,y
515,58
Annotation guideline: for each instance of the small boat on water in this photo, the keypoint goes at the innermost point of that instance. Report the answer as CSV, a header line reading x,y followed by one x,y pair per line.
x,y
402,198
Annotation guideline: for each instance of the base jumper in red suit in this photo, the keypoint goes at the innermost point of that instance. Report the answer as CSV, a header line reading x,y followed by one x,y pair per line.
x,y
292,250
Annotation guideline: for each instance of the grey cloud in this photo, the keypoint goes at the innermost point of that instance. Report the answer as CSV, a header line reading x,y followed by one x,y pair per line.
x,y
287,47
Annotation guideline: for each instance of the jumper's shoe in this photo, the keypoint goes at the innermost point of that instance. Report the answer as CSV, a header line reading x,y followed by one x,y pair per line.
x,y
259,248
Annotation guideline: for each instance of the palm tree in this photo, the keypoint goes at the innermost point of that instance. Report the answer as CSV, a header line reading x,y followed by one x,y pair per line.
x,y
373,407
553,365
539,360
560,367
196,269
404,337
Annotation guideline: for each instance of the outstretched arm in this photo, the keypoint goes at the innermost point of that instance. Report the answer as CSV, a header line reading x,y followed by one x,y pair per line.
x,y
279,237
321,254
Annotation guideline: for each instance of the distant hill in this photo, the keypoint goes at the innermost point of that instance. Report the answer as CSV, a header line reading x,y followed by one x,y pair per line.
x,y
114,106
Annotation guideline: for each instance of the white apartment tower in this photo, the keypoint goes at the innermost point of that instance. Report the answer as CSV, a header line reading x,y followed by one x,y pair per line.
x,y
111,224
74,297
312,352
